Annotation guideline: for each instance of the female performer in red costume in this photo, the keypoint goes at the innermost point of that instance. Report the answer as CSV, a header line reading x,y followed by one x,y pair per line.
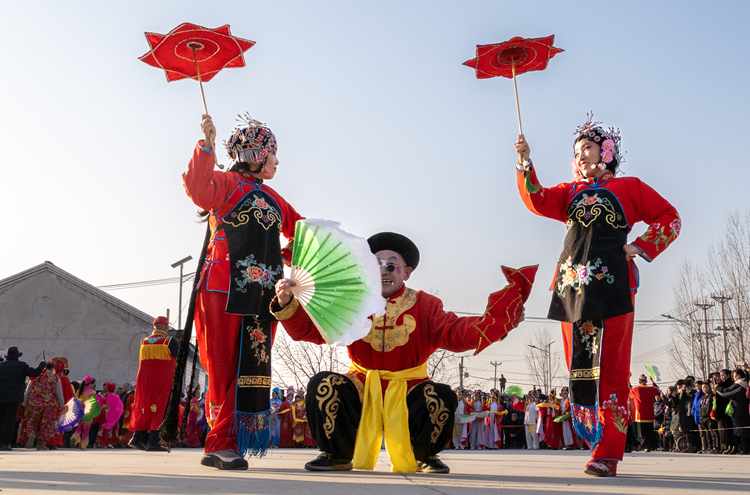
x,y
234,328
596,278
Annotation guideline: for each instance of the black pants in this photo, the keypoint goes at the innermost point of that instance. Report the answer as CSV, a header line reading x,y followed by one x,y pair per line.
x,y
8,413
334,410
646,436
150,439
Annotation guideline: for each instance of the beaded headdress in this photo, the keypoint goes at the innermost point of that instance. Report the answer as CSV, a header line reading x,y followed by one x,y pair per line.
x,y
608,139
251,142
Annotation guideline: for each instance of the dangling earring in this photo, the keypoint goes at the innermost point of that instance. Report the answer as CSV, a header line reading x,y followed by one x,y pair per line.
x,y
266,172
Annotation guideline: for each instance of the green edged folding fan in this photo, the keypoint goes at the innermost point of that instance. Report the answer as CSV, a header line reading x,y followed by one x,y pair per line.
x,y
653,371
91,409
338,280
514,388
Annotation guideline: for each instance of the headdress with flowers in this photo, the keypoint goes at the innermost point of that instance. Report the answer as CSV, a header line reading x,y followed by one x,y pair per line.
x,y
251,142
608,139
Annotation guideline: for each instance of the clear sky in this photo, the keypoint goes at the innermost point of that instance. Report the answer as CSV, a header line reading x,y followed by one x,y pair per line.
x,y
379,126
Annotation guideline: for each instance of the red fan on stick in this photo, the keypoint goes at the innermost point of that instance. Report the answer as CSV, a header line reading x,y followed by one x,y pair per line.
x,y
515,56
195,52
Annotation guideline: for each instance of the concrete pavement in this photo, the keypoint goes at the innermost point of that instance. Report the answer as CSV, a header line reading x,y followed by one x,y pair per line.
x,y
281,472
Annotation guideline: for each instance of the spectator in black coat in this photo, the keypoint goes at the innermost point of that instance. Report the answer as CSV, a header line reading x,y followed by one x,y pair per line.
x,y
13,375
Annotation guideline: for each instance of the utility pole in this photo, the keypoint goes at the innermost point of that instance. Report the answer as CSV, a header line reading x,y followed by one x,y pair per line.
x,y
495,364
181,264
461,373
722,299
692,335
704,307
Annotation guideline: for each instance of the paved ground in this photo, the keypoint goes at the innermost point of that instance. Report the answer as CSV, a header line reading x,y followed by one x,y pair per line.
x,y
280,472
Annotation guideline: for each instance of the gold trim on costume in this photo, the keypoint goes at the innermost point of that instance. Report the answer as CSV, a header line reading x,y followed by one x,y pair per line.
x,y
249,381
439,414
385,333
287,312
329,401
588,374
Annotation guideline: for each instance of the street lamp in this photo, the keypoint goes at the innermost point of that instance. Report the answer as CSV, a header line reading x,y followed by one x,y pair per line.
x,y
549,360
179,308
692,336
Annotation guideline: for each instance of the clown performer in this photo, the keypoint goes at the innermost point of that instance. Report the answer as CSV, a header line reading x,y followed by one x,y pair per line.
x,y
596,278
387,389
233,326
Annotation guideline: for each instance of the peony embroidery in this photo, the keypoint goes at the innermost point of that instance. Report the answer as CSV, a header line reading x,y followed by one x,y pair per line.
x,y
256,273
588,337
576,276
258,339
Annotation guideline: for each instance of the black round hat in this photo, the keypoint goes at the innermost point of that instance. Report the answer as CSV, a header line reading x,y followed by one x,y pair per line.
x,y
396,242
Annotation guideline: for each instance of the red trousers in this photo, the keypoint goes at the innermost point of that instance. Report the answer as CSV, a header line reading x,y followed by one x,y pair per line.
x,y
613,380
217,334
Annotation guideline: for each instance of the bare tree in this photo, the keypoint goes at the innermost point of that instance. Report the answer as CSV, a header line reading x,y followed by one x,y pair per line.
x,y
294,363
539,361
442,367
729,259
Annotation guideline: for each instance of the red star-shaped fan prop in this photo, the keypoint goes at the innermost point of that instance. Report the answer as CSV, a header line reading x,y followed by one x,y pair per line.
x,y
515,56
195,52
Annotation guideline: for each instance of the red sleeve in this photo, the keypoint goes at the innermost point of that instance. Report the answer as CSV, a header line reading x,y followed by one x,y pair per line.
x,y
550,202
663,219
503,313
208,188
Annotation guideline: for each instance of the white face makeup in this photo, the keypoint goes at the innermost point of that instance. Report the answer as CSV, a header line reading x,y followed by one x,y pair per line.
x,y
393,272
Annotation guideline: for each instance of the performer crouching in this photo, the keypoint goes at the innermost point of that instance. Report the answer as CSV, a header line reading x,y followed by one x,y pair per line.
x,y
387,389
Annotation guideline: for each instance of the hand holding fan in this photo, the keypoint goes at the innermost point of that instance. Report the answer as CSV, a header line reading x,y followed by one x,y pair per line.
x,y
338,280
72,416
653,371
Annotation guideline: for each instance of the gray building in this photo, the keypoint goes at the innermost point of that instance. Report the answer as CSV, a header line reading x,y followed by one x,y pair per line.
x,y
46,311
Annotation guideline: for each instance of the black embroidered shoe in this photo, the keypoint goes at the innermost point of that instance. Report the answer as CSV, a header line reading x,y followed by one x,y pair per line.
x,y
155,448
433,465
224,459
326,462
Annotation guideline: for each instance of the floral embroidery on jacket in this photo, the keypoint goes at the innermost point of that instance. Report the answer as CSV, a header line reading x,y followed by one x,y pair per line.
x,y
589,208
265,214
258,343
578,275
619,413
589,332
255,272
656,234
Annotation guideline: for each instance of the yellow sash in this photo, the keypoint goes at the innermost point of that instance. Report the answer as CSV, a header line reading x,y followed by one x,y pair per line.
x,y
375,409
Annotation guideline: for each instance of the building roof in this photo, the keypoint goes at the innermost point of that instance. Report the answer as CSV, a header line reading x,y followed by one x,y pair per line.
x,y
48,266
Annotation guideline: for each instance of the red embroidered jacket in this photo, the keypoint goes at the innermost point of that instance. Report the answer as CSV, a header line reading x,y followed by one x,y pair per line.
x,y
213,190
640,203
